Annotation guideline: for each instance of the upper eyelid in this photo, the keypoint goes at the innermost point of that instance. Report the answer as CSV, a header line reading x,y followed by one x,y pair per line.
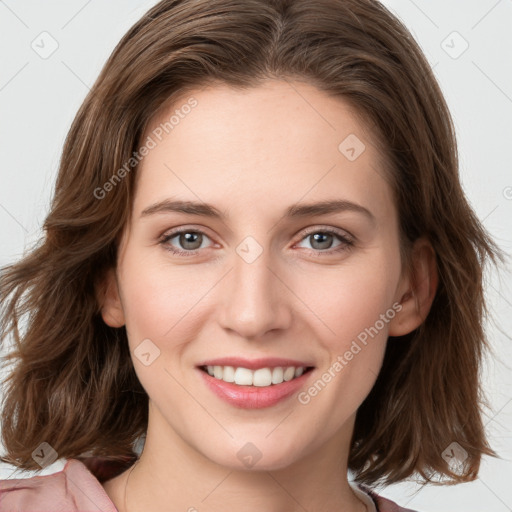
x,y
171,233
337,231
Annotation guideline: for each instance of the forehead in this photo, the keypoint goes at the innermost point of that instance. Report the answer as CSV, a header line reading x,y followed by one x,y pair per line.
x,y
278,143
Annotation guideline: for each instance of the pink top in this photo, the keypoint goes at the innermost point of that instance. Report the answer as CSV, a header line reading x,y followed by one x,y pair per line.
x,y
75,489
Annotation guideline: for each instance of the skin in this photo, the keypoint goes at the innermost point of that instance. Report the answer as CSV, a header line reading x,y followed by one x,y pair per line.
x,y
252,154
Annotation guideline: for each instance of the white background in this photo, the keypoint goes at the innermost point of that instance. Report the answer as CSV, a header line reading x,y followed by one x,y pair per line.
x,y
39,98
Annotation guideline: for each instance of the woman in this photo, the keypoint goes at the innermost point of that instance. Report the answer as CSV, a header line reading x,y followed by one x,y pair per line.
x,y
173,298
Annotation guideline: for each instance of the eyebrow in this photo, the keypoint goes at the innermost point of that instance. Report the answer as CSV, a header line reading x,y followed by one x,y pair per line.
x,y
294,211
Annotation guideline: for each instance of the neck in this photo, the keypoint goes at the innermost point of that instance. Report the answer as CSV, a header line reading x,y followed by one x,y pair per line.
x,y
180,478
274,491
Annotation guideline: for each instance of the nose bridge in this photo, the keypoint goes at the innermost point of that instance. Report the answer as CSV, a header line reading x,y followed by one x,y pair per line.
x,y
256,300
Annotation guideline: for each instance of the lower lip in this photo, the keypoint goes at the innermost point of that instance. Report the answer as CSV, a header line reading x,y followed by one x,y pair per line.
x,y
254,397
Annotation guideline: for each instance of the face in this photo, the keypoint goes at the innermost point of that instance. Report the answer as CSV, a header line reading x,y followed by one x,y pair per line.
x,y
256,276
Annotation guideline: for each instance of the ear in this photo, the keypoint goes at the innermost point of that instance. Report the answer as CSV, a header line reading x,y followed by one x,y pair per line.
x,y
109,300
417,290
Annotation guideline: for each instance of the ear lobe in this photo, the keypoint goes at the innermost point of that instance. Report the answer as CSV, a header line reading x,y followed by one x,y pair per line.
x,y
417,291
109,300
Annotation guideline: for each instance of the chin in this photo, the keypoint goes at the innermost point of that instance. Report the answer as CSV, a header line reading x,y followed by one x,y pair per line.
x,y
257,455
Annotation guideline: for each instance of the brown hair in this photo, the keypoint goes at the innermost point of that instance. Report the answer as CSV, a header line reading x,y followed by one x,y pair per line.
x,y
74,385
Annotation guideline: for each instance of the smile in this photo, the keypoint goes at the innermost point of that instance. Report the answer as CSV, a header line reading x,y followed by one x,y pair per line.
x,y
262,377
260,387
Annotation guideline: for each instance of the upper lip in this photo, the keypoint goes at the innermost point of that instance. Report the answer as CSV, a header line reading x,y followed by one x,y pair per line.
x,y
254,364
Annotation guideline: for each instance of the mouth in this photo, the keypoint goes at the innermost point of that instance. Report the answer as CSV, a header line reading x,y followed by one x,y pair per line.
x,y
261,377
265,384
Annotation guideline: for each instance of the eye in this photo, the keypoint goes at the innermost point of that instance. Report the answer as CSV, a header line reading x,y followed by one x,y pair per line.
x,y
191,240
322,239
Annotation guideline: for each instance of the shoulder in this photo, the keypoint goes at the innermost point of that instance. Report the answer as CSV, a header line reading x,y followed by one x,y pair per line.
x,y
72,489
383,504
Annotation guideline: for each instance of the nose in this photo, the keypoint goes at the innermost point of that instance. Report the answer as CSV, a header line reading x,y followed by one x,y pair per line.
x,y
256,299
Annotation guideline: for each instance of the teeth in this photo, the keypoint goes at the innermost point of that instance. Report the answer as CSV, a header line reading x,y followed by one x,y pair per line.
x,y
289,373
217,372
263,377
277,375
228,374
243,377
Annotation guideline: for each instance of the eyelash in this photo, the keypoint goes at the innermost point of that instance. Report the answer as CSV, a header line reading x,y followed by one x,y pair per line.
x,y
346,242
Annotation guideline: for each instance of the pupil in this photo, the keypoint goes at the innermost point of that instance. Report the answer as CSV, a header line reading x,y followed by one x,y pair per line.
x,y
188,238
318,236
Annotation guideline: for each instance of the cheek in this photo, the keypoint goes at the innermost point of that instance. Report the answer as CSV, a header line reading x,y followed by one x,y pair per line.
x,y
162,307
355,305
354,342
154,297
349,299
